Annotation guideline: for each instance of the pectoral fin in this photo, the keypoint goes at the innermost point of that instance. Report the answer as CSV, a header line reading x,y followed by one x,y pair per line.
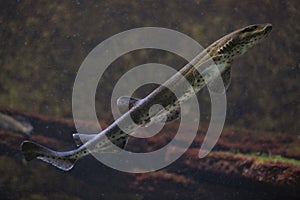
x,y
207,73
204,68
216,87
227,77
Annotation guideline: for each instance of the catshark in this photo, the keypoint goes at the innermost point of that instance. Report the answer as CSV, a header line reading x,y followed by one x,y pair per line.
x,y
220,54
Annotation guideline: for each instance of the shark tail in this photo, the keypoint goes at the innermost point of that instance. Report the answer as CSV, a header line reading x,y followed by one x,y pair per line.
x,y
61,160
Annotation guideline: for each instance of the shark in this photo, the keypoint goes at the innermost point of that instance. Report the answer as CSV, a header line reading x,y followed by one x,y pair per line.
x,y
15,123
114,138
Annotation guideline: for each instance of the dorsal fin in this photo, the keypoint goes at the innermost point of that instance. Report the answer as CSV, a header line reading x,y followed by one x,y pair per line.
x,y
125,103
80,138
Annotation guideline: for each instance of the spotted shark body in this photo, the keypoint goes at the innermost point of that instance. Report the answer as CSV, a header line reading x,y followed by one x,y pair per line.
x,y
220,54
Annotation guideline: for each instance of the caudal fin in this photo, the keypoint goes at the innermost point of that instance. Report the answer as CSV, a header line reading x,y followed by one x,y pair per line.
x,y
32,150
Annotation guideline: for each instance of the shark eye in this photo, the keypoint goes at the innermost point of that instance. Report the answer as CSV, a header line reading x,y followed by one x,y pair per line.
x,y
249,29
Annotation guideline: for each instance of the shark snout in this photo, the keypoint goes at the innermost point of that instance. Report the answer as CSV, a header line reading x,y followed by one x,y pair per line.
x,y
268,28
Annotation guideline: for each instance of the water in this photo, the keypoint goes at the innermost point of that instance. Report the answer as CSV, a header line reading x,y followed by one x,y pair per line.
x,y
43,45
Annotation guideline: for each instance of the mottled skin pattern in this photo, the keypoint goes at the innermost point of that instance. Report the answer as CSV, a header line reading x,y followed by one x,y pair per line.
x,y
221,52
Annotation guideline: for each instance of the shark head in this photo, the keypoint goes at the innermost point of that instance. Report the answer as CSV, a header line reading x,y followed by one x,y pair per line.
x,y
239,41
225,50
